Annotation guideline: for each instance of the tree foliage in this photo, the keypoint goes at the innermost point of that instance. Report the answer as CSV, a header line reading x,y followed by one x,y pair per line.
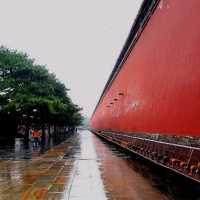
x,y
30,95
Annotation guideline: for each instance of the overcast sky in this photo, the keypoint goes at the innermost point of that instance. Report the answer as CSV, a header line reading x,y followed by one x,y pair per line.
x,y
78,40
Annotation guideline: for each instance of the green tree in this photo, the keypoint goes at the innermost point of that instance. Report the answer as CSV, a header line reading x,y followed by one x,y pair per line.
x,y
31,96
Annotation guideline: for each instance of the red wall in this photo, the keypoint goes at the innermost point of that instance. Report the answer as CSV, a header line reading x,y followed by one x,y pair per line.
x,y
161,77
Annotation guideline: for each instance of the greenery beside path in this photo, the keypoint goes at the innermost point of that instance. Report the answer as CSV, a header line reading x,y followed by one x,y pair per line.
x,y
30,96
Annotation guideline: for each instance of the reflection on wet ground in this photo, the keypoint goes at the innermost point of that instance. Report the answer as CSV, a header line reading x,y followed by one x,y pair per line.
x,y
87,183
18,150
84,167
42,177
127,176
120,180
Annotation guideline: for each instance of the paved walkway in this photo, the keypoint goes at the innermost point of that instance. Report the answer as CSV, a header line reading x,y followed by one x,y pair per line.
x,y
86,181
85,168
67,171
44,177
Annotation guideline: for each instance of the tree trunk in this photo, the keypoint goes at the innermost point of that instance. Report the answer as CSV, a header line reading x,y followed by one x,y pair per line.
x,y
49,130
15,129
27,130
54,130
43,133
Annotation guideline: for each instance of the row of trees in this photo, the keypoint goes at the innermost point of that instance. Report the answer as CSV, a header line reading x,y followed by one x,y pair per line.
x,y
30,96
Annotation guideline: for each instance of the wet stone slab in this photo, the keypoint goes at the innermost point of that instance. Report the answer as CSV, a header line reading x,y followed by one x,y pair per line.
x,y
42,177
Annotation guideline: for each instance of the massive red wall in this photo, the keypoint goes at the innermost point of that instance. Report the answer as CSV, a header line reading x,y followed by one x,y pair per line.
x,y
161,77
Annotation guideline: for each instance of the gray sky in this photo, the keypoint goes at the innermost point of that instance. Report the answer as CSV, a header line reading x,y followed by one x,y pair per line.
x,y
78,40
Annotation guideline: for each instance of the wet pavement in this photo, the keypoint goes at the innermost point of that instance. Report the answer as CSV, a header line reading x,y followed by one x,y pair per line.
x,y
18,150
84,167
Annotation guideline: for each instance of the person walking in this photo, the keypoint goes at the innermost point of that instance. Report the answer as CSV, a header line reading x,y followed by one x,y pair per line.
x,y
35,136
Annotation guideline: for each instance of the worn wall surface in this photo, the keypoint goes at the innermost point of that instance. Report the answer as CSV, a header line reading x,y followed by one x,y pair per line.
x,y
161,77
